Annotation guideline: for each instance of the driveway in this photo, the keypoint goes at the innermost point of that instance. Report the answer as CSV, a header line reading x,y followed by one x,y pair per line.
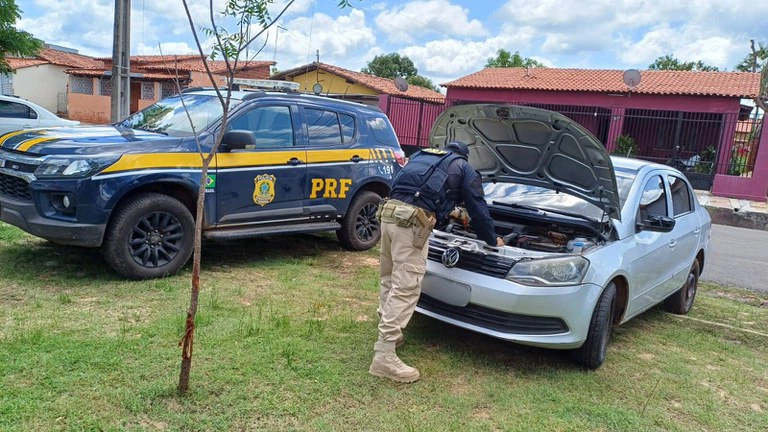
x,y
738,258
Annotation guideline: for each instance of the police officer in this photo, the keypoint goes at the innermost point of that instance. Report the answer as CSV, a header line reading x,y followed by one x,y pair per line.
x,y
424,193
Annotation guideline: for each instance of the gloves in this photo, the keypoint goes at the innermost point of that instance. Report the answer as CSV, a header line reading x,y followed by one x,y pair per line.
x,y
460,214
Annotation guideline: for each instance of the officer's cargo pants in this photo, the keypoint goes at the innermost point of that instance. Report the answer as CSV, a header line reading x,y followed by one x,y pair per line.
x,y
402,269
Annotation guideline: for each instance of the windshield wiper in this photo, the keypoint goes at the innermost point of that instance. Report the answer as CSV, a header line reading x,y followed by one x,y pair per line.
x,y
517,206
542,210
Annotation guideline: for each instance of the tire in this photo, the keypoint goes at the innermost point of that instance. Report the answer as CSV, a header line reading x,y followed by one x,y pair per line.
x,y
592,354
150,236
681,301
360,230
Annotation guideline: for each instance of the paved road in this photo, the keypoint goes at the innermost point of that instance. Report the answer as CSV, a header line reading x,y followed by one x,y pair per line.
x,y
738,257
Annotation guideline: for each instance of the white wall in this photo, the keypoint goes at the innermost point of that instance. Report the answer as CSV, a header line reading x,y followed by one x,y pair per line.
x,y
41,84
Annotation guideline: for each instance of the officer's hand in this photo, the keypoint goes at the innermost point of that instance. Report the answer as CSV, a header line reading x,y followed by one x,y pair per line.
x,y
500,241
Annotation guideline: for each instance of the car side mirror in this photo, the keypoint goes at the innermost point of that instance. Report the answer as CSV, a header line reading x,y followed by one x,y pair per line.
x,y
238,139
656,223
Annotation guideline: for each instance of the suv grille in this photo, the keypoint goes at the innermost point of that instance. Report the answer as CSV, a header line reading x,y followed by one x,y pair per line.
x,y
15,187
490,265
495,320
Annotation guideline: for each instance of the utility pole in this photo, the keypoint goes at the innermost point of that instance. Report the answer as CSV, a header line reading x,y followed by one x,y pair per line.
x,y
121,61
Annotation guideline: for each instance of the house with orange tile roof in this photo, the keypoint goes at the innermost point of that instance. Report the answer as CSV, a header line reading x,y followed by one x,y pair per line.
x,y
687,119
414,107
153,77
41,79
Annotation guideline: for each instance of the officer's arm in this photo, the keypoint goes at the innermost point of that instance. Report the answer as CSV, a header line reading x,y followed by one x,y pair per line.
x,y
474,201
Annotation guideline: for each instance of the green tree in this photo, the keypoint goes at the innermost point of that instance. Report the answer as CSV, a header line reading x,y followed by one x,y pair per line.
x,y
421,81
505,58
14,42
232,30
757,61
390,66
668,62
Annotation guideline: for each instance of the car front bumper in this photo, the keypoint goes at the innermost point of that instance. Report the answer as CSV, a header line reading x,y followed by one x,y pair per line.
x,y
24,214
550,317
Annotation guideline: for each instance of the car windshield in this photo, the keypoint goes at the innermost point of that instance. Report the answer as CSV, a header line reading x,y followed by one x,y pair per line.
x,y
168,116
624,180
541,198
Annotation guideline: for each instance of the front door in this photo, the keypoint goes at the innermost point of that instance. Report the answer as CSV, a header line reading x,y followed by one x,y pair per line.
x,y
267,183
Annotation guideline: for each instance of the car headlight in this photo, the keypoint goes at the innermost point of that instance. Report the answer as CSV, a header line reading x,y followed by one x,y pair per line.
x,y
72,168
562,271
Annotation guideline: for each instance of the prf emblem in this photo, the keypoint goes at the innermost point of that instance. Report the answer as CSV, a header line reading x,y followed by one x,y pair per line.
x,y
264,189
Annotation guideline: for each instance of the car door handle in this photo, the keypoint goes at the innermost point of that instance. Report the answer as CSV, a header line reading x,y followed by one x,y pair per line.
x,y
356,159
295,161
696,231
672,244
26,126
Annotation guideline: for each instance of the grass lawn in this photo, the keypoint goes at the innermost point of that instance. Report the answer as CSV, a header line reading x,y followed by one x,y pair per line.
x,y
284,340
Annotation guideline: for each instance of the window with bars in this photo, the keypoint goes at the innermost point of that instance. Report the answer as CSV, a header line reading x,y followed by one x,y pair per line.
x,y
105,86
168,88
148,91
82,85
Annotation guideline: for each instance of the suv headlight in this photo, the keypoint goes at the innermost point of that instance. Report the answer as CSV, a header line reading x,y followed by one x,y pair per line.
x,y
73,167
561,271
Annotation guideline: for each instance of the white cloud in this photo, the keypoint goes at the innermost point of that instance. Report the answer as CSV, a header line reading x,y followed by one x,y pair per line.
x,y
413,20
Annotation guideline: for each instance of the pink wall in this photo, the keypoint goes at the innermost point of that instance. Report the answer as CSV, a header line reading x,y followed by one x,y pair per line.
x,y
88,108
752,188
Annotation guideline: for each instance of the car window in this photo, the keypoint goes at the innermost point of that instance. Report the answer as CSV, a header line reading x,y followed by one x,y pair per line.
x,y
323,127
624,181
681,196
347,127
382,131
653,201
16,110
271,125
172,116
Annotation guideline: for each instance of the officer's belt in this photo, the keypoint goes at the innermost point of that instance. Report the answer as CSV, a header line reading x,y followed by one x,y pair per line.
x,y
404,215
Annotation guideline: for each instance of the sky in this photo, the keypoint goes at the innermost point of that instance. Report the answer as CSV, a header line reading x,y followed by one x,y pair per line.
x,y
446,39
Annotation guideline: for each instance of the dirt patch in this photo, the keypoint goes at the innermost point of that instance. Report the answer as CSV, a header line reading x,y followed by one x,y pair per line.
x,y
746,299
647,356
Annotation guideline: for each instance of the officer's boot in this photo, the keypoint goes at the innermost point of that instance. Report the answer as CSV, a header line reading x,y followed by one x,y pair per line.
x,y
388,365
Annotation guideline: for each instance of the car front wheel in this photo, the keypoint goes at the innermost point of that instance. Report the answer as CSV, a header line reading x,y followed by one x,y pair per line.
x,y
360,230
150,236
592,354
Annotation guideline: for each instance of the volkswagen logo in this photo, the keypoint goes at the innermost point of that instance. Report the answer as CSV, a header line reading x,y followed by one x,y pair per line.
x,y
451,257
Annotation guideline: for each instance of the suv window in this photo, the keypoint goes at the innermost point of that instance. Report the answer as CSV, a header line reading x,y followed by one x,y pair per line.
x,y
322,127
271,125
654,199
347,127
16,110
382,131
681,196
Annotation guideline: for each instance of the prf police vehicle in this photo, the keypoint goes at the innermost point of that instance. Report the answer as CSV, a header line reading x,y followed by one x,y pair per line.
x,y
288,163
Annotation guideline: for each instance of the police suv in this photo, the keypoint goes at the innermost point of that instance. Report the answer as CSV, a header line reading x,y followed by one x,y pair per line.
x,y
288,163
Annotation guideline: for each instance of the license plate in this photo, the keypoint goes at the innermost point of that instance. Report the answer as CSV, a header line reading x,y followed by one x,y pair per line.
x,y
447,291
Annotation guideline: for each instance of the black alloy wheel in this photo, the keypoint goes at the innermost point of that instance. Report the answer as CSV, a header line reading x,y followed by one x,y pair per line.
x,y
156,239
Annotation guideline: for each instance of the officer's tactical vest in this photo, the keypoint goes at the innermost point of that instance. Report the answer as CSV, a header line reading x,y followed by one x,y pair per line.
x,y
424,178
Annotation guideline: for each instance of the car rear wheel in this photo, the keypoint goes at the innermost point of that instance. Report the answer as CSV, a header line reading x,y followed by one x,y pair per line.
x,y
360,230
592,354
682,300
150,236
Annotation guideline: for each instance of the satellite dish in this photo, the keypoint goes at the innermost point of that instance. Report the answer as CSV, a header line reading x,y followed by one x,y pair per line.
x,y
631,78
401,84
317,88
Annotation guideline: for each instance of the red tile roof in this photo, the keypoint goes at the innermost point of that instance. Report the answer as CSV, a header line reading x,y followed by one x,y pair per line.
x,y
381,85
20,63
195,64
728,84
63,58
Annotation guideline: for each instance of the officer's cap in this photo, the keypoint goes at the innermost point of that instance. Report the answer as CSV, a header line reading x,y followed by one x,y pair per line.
x,y
458,147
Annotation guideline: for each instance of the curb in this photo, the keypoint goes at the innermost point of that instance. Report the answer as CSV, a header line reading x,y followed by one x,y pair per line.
x,y
733,217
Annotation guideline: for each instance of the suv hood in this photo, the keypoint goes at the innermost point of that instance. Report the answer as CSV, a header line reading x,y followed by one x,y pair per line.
x,y
83,140
517,144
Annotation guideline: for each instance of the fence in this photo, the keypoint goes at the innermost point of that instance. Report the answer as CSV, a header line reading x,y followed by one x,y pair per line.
x,y
698,144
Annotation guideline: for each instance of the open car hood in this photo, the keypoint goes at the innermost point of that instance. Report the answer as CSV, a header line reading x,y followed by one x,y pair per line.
x,y
517,144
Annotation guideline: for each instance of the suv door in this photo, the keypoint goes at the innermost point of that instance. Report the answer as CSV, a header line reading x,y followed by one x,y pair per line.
x,y
334,166
265,183
649,256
